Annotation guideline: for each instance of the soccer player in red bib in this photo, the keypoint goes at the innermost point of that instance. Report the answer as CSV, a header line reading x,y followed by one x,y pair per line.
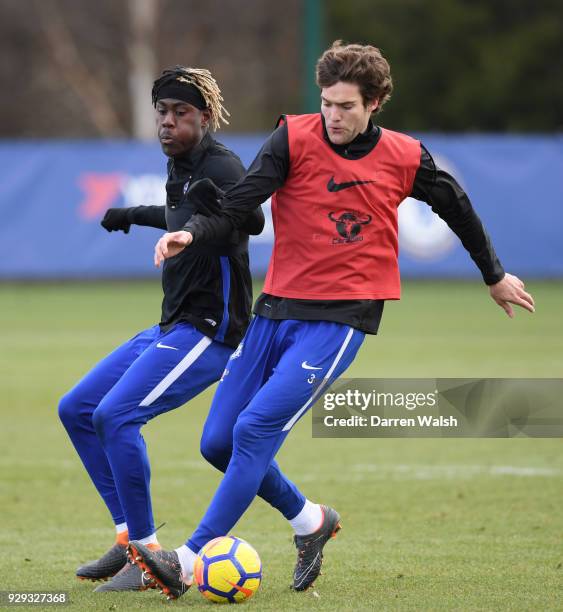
x,y
336,181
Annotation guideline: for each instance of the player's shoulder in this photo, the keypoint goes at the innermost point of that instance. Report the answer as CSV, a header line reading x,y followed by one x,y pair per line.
x,y
399,137
222,164
401,147
311,119
220,154
217,149
300,128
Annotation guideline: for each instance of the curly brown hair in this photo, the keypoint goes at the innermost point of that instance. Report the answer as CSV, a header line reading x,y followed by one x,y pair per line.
x,y
360,64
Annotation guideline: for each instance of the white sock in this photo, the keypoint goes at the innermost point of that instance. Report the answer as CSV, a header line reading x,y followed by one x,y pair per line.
x,y
308,520
121,528
149,539
186,557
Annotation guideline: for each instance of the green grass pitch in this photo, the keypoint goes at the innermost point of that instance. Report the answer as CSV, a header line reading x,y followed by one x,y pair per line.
x,y
427,524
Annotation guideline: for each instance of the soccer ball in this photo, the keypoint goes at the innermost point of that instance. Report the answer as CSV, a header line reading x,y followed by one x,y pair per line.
x,y
227,570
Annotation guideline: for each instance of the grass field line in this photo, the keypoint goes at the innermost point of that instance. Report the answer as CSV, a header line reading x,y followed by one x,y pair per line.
x,y
74,464
445,471
366,471
358,470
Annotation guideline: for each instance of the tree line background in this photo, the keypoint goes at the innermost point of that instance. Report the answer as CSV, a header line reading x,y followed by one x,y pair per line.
x,y
74,68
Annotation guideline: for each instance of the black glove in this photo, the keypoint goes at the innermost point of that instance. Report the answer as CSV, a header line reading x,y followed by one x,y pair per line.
x,y
206,197
116,219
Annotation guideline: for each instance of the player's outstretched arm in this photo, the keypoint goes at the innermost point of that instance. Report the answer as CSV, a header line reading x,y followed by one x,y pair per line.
x,y
170,245
267,173
121,219
510,290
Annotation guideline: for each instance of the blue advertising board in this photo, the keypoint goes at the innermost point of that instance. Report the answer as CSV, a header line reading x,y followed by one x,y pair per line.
x,y
53,195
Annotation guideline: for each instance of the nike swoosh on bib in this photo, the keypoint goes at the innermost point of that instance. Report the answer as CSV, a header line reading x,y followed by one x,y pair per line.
x,y
332,186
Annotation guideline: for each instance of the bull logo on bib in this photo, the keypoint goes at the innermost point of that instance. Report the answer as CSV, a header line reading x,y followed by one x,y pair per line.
x,y
348,226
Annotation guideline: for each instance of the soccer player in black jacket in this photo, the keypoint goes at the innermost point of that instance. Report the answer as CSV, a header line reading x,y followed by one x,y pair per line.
x,y
205,312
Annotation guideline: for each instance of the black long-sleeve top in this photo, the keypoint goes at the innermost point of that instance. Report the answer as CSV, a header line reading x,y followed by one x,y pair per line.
x,y
268,173
193,281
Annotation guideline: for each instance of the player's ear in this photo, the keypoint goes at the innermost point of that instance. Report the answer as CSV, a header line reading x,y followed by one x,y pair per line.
x,y
372,105
205,118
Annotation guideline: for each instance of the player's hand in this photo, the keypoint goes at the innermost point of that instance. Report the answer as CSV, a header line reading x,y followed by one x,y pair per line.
x,y
116,219
170,245
510,290
206,197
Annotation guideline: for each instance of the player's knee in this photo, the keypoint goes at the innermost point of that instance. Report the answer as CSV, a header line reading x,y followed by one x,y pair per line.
x,y
246,431
102,421
115,425
215,451
69,412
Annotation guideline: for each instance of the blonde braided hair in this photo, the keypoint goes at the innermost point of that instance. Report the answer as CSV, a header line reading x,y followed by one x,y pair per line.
x,y
207,86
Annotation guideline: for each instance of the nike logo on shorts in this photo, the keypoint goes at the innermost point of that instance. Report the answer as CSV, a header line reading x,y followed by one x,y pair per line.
x,y
159,345
306,366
